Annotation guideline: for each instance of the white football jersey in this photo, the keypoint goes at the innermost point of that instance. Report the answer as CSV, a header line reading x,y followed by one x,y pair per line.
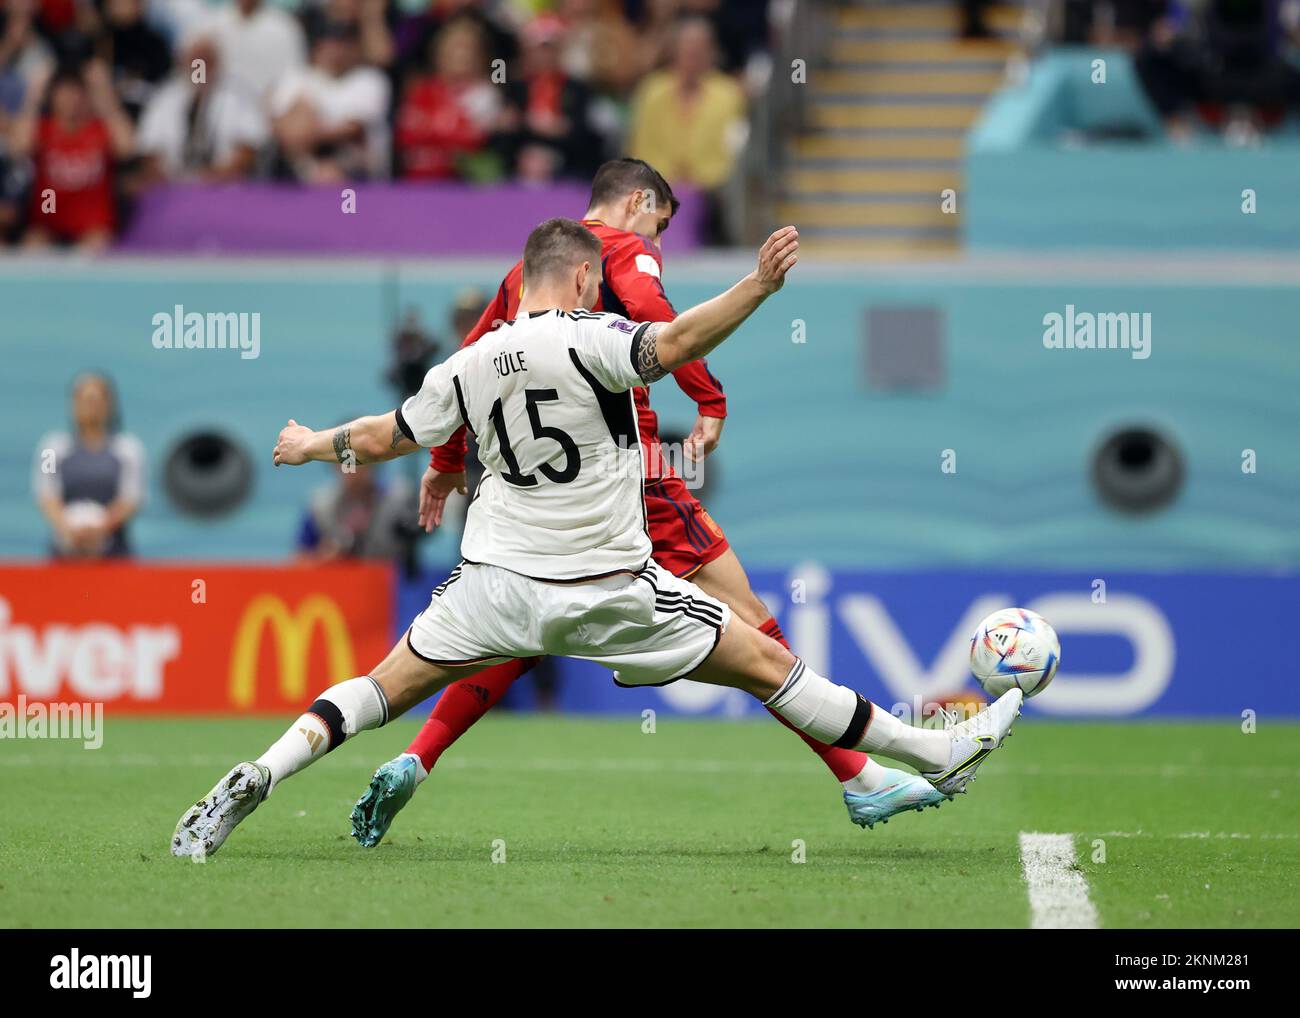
x,y
548,399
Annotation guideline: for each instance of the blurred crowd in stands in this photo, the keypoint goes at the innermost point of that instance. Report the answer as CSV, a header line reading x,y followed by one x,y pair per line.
x,y
102,98
1230,65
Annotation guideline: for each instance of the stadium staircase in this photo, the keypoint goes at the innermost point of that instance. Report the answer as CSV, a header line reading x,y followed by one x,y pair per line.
x,y
884,126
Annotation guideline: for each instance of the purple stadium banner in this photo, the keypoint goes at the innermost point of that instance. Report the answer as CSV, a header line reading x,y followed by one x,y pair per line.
x,y
413,220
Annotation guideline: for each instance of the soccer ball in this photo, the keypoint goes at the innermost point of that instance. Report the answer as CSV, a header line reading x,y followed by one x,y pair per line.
x,y
1014,647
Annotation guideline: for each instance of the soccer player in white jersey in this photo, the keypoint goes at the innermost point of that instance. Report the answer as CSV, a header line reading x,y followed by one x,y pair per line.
x,y
556,556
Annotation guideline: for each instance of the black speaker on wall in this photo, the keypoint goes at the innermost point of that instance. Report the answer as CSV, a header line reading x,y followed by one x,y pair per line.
x,y
207,474
1137,469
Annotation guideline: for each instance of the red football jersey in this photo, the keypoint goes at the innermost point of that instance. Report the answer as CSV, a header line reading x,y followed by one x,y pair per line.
x,y
632,288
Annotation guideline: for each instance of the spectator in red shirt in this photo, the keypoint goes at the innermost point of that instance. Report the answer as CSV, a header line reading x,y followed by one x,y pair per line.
x,y
545,129
447,115
73,145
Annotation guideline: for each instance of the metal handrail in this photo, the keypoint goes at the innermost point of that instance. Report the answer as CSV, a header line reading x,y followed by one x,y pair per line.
x,y
802,30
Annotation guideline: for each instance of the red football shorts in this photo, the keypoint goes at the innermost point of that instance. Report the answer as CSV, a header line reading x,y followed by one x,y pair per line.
x,y
683,533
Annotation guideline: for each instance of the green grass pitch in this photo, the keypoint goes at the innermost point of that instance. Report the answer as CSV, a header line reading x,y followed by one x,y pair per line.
x,y
694,825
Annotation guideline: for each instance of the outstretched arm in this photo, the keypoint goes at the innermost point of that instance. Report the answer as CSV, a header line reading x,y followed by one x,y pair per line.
x,y
663,347
365,440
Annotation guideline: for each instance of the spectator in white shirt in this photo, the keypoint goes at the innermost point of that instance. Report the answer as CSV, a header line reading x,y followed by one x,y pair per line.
x,y
199,127
330,119
257,44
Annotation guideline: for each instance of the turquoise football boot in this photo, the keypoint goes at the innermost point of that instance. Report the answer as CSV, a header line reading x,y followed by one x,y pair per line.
x,y
390,789
900,791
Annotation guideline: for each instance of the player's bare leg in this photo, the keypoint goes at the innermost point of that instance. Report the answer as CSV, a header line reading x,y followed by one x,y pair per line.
x,y
355,705
464,703
460,707
834,714
725,579
872,793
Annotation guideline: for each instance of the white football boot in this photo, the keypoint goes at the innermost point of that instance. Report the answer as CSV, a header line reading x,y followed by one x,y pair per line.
x,y
973,740
207,824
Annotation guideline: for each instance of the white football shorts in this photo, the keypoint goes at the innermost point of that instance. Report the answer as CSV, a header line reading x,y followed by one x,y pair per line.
x,y
649,628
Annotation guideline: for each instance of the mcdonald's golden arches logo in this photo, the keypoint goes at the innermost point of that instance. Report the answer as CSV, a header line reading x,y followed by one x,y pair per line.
x,y
292,632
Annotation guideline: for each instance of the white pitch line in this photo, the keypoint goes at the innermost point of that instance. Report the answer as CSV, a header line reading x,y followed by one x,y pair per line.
x,y
1058,893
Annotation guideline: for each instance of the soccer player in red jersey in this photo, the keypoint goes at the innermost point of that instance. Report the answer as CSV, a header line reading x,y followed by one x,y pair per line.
x,y
631,206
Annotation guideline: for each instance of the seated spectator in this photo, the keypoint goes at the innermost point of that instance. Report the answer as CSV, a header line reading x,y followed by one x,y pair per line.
x,y
258,44
359,516
24,55
689,119
330,118
370,19
13,192
138,54
73,144
200,130
447,114
1222,63
26,61
1166,64
740,28
544,131
602,50
70,27
90,482
1245,64
416,32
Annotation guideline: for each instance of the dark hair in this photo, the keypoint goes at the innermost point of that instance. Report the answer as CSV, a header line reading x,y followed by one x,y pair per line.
x,y
64,74
556,245
618,177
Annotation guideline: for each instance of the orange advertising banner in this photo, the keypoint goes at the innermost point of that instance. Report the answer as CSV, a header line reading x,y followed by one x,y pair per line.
x,y
193,639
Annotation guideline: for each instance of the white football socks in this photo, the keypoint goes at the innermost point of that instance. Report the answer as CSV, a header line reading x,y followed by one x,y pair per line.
x,y
837,715
926,749
420,772
815,705
871,777
356,705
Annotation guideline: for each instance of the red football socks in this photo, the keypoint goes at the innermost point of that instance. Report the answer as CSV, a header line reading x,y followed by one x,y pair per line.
x,y
461,705
844,763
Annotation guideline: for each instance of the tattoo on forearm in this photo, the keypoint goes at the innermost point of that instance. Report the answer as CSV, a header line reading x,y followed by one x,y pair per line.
x,y
343,444
647,355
